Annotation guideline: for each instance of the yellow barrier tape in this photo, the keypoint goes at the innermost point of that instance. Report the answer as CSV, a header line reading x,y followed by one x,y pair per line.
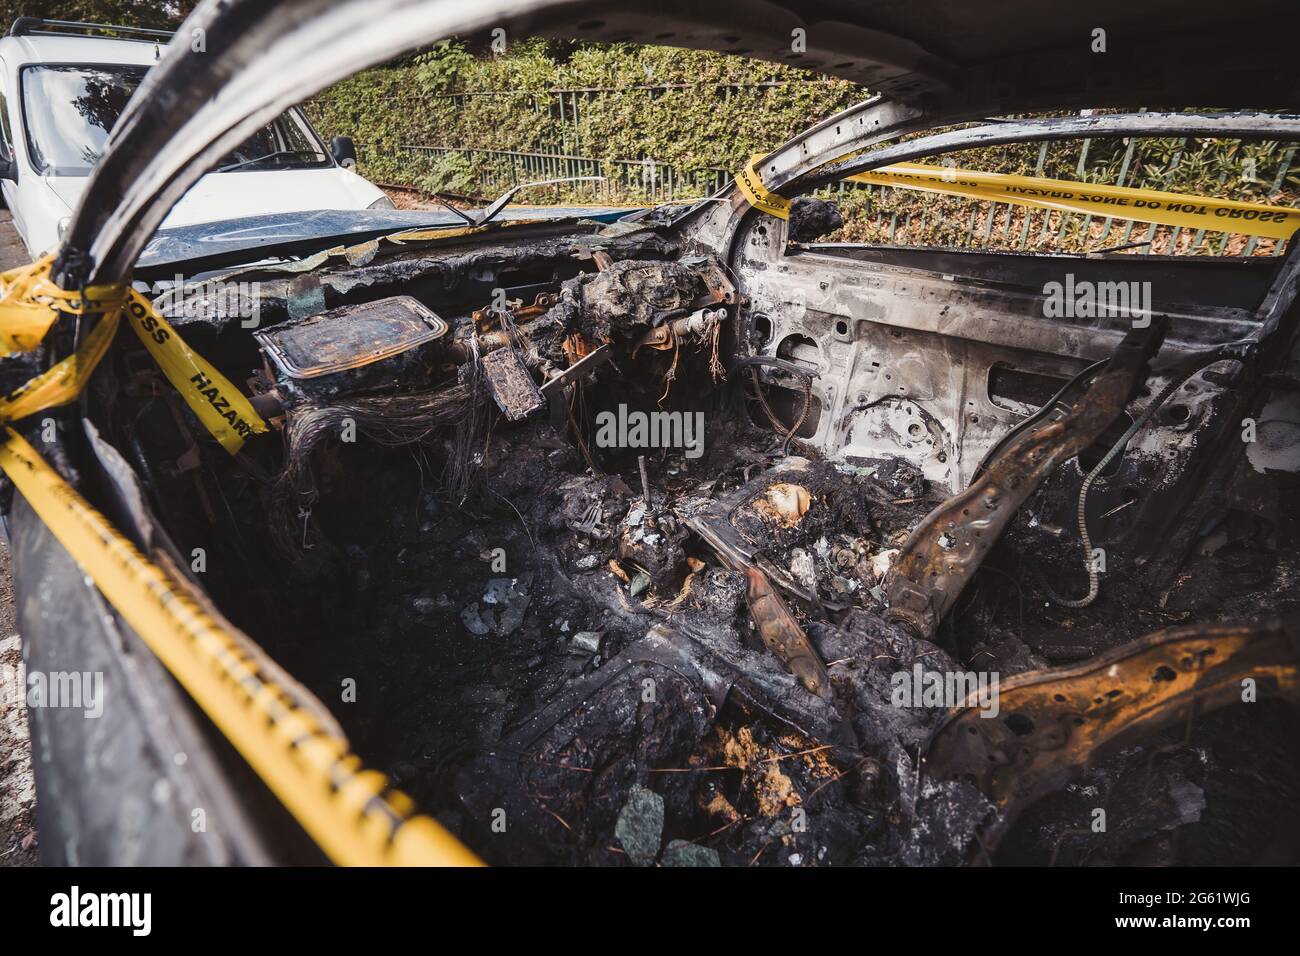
x,y
23,326
760,197
222,408
1121,202
30,303
348,811
63,381
424,235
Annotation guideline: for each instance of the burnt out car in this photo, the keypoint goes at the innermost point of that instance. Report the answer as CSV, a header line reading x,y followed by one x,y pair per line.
x,y
676,536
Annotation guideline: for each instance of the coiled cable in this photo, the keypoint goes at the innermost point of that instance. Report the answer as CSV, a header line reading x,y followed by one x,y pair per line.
x,y
1094,575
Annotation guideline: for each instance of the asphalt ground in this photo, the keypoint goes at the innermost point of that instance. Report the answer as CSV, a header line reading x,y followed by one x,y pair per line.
x,y
18,836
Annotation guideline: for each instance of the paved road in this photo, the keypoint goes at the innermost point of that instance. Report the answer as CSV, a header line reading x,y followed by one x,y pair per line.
x,y
17,788
12,252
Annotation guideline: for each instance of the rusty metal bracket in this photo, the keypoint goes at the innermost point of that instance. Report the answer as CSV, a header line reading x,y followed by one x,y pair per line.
x,y
579,369
721,290
783,636
487,318
946,549
1050,725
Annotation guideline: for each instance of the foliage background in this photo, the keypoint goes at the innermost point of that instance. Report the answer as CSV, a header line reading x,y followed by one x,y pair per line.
x,y
688,118
695,110
159,14
675,106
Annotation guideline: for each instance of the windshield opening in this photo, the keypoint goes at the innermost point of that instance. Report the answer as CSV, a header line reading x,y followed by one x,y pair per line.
x,y
70,112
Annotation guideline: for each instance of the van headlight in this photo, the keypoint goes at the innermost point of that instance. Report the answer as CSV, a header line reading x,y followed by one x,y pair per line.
x,y
383,202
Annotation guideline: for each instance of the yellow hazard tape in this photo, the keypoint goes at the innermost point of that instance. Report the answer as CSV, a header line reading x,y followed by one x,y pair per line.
x,y
760,197
30,303
350,812
221,407
1121,202
63,381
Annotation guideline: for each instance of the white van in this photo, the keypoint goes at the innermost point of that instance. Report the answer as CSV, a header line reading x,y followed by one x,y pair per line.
x,y
63,86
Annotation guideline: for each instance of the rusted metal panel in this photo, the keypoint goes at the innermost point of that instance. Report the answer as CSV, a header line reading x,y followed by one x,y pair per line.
x,y
1051,724
783,635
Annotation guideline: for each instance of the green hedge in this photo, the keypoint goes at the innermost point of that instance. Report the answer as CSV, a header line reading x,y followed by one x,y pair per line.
x,y
698,124
694,109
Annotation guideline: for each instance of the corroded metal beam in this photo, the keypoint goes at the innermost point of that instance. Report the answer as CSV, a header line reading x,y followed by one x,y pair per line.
x,y
1052,724
946,549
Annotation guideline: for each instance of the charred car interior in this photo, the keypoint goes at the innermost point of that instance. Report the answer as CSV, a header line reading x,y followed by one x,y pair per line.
x,y
819,484
658,536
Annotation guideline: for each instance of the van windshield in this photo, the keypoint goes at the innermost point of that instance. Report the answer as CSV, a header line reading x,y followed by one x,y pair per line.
x,y
70,111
